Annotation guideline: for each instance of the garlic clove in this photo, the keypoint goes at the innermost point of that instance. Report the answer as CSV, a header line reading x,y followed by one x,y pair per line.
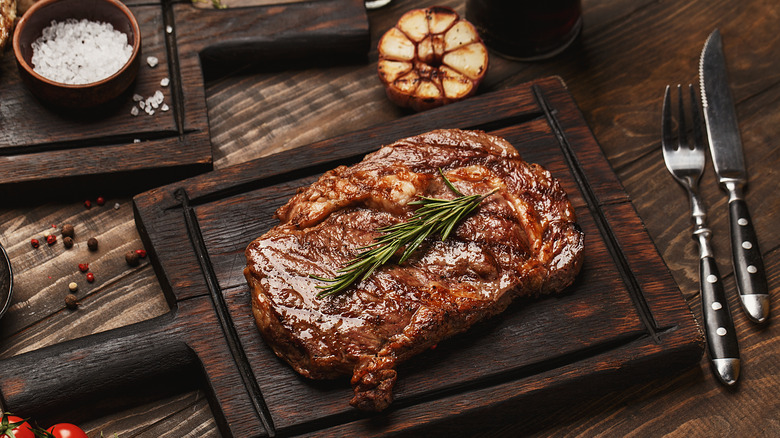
x,y
470,60
460,34
441,18
395,45
414,24
455,85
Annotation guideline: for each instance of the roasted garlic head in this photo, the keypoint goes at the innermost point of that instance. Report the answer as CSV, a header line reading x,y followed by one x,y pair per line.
x,y
430,58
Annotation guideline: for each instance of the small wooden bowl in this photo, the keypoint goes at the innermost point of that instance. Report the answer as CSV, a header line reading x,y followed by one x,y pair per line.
x,y
40,16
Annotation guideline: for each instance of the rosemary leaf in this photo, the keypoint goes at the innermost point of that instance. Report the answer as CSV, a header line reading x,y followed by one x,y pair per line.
x,y
434,216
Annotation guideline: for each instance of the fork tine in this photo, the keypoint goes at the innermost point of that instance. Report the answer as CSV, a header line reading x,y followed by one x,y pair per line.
x,y
666,121
698,137
682,132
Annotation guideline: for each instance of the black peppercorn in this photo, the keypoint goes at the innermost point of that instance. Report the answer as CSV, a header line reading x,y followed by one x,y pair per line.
x,y
132,258
68,231
71,301
92,244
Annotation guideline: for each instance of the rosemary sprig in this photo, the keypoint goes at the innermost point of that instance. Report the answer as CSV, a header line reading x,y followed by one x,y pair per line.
x,y
434,216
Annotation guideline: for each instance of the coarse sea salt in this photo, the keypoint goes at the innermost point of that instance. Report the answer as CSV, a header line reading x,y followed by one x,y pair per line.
x,y
78,52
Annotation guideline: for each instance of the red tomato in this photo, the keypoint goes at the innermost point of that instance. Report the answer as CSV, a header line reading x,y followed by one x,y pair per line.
x,y
15,427
66,430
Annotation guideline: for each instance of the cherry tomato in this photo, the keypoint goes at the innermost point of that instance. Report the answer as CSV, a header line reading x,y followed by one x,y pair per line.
x,y
12,426
66,430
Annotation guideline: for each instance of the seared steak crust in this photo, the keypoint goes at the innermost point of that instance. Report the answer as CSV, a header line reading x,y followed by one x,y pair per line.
x,y
521,241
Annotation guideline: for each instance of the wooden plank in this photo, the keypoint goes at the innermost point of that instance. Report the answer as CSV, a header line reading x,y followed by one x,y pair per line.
x,y
254,113
40,144
607,325
602,316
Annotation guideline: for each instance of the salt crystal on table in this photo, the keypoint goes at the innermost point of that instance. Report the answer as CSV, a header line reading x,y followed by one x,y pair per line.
x,y
164,82
164,107
137,97
168,29
152,61
134,111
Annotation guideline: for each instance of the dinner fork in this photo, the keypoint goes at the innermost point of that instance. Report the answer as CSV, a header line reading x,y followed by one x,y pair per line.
x,y
685,159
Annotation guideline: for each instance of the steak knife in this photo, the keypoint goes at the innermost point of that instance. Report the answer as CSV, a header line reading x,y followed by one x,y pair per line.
x,y
729,162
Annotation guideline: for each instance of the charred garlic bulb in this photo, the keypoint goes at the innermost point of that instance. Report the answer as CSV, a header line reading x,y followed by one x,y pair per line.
x,y
430,58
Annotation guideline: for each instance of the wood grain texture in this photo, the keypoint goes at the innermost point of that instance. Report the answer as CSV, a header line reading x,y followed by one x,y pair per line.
x,y
41,144
616,72
620,319
228,203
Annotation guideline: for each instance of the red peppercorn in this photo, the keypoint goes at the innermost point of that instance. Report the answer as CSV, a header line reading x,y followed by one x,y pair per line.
x,y
35,243
90,277
141,253
51,239
100,200
83,267
88,203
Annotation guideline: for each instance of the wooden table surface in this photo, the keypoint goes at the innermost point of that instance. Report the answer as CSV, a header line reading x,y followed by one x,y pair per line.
x,y
628,51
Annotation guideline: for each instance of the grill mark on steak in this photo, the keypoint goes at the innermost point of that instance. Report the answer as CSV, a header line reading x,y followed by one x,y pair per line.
x,y
521,241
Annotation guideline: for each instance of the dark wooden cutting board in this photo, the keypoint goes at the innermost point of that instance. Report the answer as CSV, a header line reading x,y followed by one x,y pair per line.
x,y
622,321
45,147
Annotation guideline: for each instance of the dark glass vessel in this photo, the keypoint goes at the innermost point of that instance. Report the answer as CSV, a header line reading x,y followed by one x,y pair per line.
x,y
526,29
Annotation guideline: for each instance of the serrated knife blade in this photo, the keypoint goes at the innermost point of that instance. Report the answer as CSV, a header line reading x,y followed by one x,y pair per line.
x,y
729,162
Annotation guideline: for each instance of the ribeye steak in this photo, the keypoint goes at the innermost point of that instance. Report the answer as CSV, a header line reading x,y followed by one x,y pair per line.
x,y
521,241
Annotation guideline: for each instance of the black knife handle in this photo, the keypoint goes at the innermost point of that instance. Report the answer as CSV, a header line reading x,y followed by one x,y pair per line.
x,y
719,327
748,264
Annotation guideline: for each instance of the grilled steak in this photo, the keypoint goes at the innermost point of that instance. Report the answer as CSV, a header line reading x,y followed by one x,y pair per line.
x,y
521,241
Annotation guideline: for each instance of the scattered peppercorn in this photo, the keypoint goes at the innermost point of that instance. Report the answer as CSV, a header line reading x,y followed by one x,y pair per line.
x,y
68,231
141,253
83,267
73,286
68,242
100,200
51,239
88,204
92,244
35,243
90,277
71,301
132,258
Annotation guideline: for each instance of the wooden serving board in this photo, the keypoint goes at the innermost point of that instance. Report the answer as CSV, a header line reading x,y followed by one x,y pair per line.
x,y
40,144
622,321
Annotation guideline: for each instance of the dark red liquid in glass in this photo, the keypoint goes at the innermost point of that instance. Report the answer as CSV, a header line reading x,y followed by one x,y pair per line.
x,y
526,29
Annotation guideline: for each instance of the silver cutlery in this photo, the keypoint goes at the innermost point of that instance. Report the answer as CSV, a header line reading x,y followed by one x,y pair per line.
x,y
729,163
685,159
